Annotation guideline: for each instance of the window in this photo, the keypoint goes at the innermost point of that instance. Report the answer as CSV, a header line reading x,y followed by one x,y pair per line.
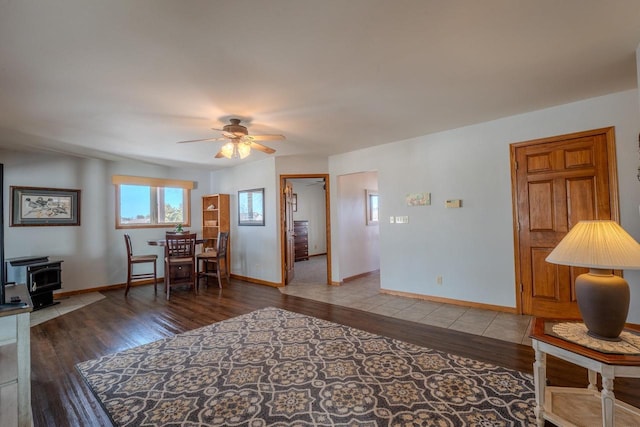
x,y
372,206
151,202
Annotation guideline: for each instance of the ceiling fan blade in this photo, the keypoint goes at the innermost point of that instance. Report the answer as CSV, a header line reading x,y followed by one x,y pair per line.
x,y
262,148
267,137
226,134
219,155
202,140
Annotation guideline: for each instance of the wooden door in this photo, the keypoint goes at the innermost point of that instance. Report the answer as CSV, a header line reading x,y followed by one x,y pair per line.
x,y
289,233
558,182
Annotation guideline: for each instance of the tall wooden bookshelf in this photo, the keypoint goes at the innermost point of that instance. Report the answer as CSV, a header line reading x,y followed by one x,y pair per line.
x,y
215,218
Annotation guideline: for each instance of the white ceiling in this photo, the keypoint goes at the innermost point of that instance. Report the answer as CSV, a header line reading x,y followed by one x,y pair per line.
x,y
129,78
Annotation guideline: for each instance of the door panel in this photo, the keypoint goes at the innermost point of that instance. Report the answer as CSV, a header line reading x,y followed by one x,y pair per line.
x,y
558,182
541,206
544,275
578,158
539,163
581,199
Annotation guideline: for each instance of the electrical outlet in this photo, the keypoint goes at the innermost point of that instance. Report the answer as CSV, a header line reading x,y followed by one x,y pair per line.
x,y
439,280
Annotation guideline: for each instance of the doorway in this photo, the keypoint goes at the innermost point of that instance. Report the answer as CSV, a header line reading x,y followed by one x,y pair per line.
x,y
305,226
557,182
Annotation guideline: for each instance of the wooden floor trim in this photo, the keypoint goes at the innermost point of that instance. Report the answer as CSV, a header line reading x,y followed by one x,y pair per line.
x,y
359,276
64,294
257,281
462,303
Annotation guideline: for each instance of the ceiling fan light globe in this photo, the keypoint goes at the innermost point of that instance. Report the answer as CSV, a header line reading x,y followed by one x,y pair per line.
x,y
244,150
227,150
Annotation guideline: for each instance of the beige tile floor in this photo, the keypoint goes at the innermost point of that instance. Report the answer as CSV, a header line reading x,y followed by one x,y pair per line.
x,y
67,304
364,294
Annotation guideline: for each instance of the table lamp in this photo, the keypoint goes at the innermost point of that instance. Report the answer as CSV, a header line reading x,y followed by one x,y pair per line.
x,y
603,298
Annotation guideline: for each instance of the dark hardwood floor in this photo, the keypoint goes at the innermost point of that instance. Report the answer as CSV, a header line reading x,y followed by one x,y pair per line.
x,y
61,398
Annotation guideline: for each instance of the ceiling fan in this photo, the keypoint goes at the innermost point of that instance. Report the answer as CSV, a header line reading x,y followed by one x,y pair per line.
x,y
239,142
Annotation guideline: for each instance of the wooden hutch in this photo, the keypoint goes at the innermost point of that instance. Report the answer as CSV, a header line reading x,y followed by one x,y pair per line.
x,y
215,218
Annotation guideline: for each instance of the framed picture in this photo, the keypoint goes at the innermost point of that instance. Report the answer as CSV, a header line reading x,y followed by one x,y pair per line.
x,y
251,207
418,199
33,206
294,203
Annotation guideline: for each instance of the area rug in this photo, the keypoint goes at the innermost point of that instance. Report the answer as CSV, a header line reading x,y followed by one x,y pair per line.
x,y
272,367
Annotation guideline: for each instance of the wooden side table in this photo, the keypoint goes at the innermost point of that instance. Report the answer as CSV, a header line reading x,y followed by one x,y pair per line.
x,y
568,406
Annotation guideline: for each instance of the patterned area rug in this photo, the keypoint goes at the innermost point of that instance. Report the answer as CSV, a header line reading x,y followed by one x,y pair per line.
x,y
277,368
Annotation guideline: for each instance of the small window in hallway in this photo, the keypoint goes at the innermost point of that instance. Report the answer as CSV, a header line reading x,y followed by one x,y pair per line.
x,y
372,207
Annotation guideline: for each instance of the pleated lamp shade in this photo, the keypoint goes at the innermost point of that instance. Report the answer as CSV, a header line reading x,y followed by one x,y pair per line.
x,y
597,244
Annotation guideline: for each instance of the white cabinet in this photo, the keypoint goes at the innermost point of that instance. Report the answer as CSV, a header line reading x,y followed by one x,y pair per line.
x,y
15,361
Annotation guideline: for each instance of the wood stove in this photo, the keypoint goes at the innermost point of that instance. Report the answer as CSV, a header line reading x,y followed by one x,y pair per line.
x,y
41,275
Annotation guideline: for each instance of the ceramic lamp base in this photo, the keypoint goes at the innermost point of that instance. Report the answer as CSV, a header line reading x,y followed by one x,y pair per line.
x,y
603,300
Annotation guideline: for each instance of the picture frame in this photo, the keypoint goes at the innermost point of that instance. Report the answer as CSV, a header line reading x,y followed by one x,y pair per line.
x,y
251,207
294,202
40,206
418,199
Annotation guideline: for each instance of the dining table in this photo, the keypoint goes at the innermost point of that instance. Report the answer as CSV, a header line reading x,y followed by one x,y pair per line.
x,y
163,242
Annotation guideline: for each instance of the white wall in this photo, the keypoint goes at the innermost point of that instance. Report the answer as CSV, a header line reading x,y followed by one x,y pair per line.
x,y
359,243
255,250
94,253
311,207
290,165
472,247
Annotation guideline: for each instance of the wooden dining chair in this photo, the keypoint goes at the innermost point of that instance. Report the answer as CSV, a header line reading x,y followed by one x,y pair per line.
x,y
214,262
133,260
180,261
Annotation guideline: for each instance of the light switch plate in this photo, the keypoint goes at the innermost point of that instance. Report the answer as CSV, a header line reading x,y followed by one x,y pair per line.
x,y
453,203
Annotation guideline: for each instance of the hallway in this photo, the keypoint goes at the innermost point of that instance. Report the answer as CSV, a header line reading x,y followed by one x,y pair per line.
x,y
364,294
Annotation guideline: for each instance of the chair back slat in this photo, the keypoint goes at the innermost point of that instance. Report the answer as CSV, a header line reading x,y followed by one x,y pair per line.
x,y
223,239
180,245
